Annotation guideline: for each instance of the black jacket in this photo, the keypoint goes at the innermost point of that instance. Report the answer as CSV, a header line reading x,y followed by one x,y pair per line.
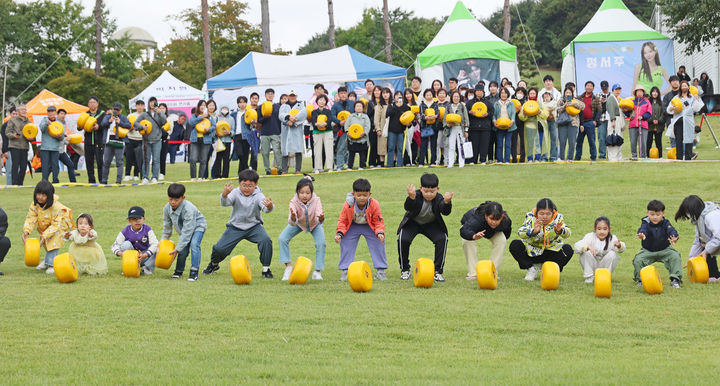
x,y
3,223
473,222
656,235
413,207
666,102
393,114
480,123
96,138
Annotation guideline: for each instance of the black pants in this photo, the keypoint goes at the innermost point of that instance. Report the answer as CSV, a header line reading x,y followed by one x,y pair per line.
x,y
221,167
657,136
406,156
491,146
426,142
135,148
242,149
433,232
130,161
518,136
298,162
163,156
712,267
75,158
4,247
683,150
19,165
374,159
94,155
480,140
525,261
361,150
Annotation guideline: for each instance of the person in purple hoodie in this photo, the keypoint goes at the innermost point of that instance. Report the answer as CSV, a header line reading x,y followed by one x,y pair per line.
x,y
140,237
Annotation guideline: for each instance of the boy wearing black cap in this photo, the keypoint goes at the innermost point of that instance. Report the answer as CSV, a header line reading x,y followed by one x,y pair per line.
x,y
140,237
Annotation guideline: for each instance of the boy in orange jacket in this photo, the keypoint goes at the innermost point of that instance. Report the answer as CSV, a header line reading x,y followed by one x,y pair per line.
x,y
361,215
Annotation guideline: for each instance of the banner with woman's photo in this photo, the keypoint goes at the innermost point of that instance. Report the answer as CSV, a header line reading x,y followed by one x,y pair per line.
x,y
642,62
470,71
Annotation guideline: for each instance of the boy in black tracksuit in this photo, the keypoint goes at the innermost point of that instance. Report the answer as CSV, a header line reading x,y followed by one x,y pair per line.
x,y
424,209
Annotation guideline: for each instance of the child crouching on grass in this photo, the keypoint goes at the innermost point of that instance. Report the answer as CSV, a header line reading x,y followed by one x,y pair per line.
x,y
246,223
140,237
190,224
490,221
541,239
705,215
657,235
599,249
52,220
306,215
89,256
361,216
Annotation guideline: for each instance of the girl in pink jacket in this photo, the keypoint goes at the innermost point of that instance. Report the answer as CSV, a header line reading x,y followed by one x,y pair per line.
x,y
306,215
638,126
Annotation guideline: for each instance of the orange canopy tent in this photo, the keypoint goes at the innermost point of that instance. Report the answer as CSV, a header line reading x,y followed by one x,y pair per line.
x,y
37,107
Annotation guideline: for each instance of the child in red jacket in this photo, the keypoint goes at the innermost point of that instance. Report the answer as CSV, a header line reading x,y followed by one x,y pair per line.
x,y
361,215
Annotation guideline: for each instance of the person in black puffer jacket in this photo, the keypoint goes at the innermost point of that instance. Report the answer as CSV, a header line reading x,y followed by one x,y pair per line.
x,y
490,221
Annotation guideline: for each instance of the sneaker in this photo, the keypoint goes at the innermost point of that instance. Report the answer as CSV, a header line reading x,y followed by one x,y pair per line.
x,y
267,274
589,280
145,181
162,177
41,267
316,275
136,178
154,180
127,178
531,274
439,277
315,171
405,275
51,271
380,275
470,277
360,169
1,273
211,268
713,280
343,275
286,274
694,156
146,271
193,276
674,283
176,275
638,284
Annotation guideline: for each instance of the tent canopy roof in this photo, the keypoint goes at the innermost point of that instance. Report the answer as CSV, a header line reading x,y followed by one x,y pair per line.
x,y
168,86
39,104
463,37
342,64
613,22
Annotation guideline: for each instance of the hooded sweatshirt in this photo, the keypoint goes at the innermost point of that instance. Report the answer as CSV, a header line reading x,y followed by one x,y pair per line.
x,y
707,231
247,210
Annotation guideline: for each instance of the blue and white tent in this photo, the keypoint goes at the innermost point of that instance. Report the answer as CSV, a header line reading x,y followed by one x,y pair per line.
x,y
340,65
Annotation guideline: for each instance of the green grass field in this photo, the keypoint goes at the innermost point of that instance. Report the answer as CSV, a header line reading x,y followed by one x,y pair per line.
x,y
156,330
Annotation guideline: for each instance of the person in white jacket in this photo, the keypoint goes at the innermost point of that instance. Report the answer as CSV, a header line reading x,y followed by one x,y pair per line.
x,y
683,121
599,249
705,216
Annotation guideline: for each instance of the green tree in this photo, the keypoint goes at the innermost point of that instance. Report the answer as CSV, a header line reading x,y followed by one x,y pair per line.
x,y
81,83
525,52
693,23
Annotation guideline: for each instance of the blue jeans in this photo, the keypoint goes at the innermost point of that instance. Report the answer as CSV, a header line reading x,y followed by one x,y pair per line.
x,y
568,135
8,171
149,262
504,140
601,135
589,132
50,256
193,247
49,159
65,159
341,153
152,150
552,132
318,235
395,148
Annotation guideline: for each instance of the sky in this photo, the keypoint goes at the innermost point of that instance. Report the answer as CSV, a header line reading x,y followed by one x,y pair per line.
x,y
292,22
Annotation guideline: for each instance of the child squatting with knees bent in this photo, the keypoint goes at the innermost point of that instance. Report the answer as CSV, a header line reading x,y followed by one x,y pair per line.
x,y
246,223
424,209
541,237
52,220
657,234
306,215
361,215
5,243
487,220
140,237
187,220
89,256
705,215
599,249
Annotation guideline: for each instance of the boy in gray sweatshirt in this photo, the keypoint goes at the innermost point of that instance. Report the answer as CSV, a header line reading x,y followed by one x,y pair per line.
x,y
247,201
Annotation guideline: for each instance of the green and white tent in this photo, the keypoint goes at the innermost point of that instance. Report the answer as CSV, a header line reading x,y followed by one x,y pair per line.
x,y
462,37
613,22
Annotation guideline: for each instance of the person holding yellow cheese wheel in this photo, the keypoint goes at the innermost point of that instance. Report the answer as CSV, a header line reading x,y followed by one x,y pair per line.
x,y
49,153
322,135
113,122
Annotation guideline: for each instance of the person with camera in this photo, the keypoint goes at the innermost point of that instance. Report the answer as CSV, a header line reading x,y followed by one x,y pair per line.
x,y
114,145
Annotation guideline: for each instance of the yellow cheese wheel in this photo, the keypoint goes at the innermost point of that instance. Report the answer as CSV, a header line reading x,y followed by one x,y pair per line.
x,y
654,152
32,252
651,282
301,271
203,127
355,131
56,129
65,268
30,131
266,109
677,104
407,118
164,259
250,115
504,123
81,120
131,263
603,283
531,108
132,118
223,128
479,108
517,105
122,132
322,118
343,115
89,123
360,276
430,112
487,277
441,112
166,126
627,104
672,153
698,270
424,276
694,90
572,110
240,270
294,112
415,109
308,110
75,138
147,127
550,276
454,118
274,171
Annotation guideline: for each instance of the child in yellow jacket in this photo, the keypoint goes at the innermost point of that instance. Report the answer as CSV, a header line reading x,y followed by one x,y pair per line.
x,y
52,220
